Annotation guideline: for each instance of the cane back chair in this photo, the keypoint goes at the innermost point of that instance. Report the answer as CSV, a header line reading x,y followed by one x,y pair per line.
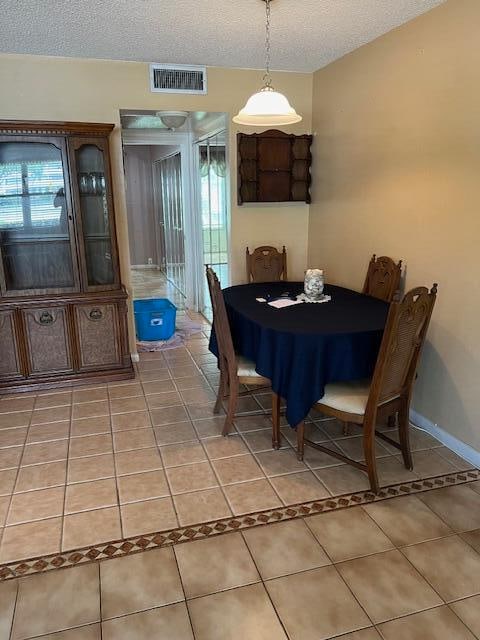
x,y
234,369
390,389
383,278
266,264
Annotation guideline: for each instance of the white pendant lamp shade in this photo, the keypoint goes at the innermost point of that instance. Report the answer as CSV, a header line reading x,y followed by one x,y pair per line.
x,y
267,108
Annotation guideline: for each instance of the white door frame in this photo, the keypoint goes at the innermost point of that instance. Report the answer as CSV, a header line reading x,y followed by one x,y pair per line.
x,y
185,142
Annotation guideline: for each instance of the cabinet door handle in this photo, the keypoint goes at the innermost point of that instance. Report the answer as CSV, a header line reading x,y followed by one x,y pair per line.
x,y
45,318
96,314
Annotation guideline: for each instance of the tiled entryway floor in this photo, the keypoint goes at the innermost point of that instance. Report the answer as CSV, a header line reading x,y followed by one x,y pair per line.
x,y
85,466
152,283
401,569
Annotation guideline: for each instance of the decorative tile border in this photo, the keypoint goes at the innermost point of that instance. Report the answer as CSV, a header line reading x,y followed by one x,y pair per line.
x,y
136,544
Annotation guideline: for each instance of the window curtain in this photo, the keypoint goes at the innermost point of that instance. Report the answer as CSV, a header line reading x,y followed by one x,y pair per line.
x,y
212,157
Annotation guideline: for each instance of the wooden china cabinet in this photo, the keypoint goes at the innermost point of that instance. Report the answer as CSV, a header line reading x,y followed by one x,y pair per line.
x,y
63,312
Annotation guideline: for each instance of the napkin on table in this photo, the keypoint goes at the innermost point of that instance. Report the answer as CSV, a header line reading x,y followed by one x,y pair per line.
x,y
284,302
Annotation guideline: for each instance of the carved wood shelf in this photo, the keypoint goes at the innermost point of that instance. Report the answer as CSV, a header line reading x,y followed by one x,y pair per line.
x,y
274,166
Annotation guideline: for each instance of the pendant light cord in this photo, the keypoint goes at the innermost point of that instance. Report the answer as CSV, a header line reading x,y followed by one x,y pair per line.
x,y
267,80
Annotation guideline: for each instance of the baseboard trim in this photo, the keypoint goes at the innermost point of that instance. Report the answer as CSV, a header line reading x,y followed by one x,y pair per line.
x,y
462,449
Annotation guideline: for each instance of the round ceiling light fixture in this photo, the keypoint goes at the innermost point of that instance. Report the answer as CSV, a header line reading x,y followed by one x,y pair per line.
x,y
267,107
173,119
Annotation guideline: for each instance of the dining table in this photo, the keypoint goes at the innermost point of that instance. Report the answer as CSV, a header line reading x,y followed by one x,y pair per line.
x,y
303,347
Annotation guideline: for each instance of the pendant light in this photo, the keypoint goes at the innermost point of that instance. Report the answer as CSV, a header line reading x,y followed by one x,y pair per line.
x,y
267,107
173,119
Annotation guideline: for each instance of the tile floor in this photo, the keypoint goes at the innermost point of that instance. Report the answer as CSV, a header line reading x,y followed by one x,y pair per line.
x,y
95,464
152,283
407,568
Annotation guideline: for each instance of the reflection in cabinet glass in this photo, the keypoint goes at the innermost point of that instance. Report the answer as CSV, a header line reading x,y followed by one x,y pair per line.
x,y
95,214
34,217
59,258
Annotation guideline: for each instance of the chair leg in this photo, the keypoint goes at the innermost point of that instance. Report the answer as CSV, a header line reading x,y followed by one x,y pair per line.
x,y
404,435
346,428
232,407
300,440
275,421
222,388
369,452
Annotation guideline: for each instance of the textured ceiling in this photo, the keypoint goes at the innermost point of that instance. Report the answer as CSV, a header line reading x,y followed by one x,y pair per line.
x,y
306,34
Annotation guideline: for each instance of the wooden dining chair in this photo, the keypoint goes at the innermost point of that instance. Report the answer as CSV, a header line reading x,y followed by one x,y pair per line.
x,y
234,369
390,389
383,282
383,278
266,264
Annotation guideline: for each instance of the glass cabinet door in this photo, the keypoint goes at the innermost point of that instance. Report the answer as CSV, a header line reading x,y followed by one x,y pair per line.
x,y
36,233
95,205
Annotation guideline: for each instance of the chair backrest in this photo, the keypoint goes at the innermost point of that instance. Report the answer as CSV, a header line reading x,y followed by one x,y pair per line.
x,y
226,351
402,343
383,278
266,264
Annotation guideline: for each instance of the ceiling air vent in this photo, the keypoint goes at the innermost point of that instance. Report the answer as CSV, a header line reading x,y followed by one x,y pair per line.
x,y
173,78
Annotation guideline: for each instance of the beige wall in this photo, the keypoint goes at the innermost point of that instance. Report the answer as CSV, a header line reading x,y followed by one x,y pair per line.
x,y
36,88
397,172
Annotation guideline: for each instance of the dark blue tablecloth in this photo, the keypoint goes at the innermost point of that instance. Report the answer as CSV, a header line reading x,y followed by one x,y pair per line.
x,y
304,347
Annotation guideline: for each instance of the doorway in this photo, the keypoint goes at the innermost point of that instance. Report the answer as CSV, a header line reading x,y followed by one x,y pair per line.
x,y
151,220
177,205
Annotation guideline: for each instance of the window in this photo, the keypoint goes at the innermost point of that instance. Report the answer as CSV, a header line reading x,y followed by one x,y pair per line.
x,y
213,202
213,199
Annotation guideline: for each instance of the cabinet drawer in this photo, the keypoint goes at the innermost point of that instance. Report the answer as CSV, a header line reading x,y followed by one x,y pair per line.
x,y
98,335
9,359
48,340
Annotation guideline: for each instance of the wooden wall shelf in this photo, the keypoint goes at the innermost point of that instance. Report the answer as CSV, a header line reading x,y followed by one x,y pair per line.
x,y
274,166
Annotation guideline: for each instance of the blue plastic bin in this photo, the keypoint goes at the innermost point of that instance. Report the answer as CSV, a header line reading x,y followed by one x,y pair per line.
x,y
154,319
